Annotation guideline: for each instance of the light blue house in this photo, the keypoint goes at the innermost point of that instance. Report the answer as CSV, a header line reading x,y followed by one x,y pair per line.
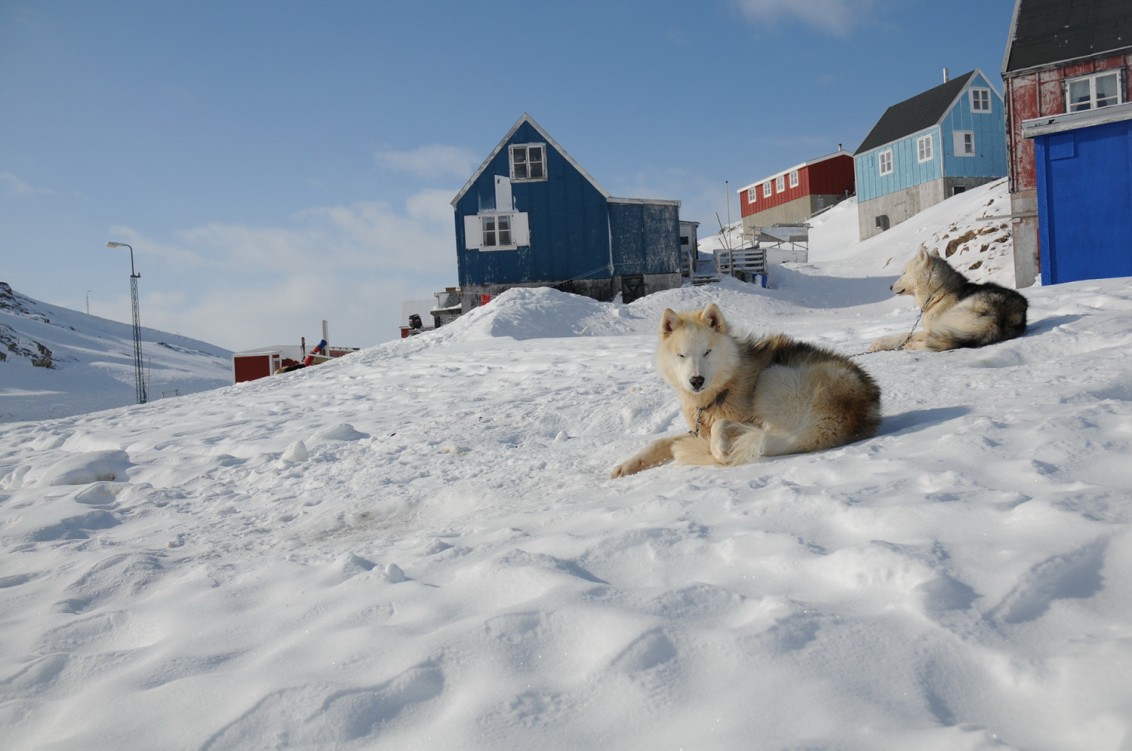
x,y
928,148
532,216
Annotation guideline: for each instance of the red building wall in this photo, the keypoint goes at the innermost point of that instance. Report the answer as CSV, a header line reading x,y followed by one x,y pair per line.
x,y
1040,93
831,176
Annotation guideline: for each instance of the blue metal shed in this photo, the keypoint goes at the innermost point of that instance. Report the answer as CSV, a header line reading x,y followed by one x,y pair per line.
x,y
532,216
1084,175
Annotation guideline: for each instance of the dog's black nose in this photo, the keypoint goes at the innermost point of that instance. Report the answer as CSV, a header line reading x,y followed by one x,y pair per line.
x,y
697,382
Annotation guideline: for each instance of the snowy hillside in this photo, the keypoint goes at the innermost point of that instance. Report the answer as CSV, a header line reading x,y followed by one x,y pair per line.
x,y
56,362
418,546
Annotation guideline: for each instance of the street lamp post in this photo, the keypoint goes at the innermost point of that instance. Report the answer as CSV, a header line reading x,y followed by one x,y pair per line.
x,y
139,379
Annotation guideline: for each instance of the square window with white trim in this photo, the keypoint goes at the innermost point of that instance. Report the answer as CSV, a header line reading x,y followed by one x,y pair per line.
x,y
794,178
780,184
528,162
964,143
980,100
752,194
767,190
924,150
884,162
1095,91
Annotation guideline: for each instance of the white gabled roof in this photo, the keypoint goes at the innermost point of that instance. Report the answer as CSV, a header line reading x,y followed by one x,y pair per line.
x,y
526,118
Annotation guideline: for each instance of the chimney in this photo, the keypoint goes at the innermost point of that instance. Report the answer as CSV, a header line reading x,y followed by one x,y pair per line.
x,y
946,77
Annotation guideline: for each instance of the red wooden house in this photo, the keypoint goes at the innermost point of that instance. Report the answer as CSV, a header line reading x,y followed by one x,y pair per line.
x,y
796,194
1063,57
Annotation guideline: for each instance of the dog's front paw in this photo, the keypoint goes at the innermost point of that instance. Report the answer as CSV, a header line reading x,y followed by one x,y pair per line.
x,y
626,468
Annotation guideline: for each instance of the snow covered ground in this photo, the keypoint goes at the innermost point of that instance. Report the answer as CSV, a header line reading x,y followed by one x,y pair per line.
x,y
417,546
91,361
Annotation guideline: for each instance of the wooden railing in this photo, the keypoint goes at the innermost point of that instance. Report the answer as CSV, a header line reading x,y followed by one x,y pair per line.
x,y
745,263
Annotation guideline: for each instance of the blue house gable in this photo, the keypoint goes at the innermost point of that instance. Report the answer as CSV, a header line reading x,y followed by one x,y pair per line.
x,y
532,216
928,148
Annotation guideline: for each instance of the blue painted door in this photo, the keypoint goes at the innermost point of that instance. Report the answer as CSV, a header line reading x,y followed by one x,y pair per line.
x,y
1085,202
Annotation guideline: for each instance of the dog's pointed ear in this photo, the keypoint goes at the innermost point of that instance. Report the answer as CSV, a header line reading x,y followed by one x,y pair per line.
x,y
712,316
669,322
922,254
933,253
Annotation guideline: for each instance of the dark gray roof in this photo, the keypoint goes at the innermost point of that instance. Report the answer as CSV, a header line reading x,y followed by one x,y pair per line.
x,y
912,115
1045,32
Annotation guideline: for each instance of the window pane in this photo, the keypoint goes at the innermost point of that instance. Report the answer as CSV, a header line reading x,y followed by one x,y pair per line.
x,y
1079,96
534,156
1107,90
504,230
488,231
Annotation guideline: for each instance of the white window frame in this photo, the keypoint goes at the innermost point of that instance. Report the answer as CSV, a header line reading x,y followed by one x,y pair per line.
x,y
981,100
496,232
752,194
925,151
884,162
965,143
794,178
522,165
780,184
1091,101
767,190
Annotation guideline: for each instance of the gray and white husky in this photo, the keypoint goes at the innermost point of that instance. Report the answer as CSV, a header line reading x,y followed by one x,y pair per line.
x,y
955,311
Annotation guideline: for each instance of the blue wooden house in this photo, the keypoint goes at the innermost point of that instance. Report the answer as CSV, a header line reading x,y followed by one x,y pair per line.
x,y
531,216
928,148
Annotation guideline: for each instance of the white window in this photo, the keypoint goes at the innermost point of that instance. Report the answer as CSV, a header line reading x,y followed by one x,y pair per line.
x,y
884,160
752,194
924,152
794,179
780,184
964,143
497,231
528,162
767,190
1094,92
980,100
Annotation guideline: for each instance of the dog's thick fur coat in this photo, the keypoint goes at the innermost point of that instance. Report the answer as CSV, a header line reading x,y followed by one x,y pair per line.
x,y
747,398
955,312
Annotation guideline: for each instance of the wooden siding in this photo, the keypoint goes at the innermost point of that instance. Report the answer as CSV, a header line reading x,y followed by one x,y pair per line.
x,y
829,176
908,171
567,216
1041,93
646,237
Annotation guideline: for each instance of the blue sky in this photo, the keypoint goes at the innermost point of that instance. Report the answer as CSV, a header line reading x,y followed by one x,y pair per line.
x,y
275,163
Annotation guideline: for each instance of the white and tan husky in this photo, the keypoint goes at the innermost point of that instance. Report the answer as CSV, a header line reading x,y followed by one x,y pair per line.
x,y
746,398
956,312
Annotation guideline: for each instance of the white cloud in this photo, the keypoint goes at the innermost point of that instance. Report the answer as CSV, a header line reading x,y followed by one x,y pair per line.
x,y
241,286
11,186
834,16
432,161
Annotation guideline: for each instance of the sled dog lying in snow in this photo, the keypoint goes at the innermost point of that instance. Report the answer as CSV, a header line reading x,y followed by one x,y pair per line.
x,y
956,312
746,398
